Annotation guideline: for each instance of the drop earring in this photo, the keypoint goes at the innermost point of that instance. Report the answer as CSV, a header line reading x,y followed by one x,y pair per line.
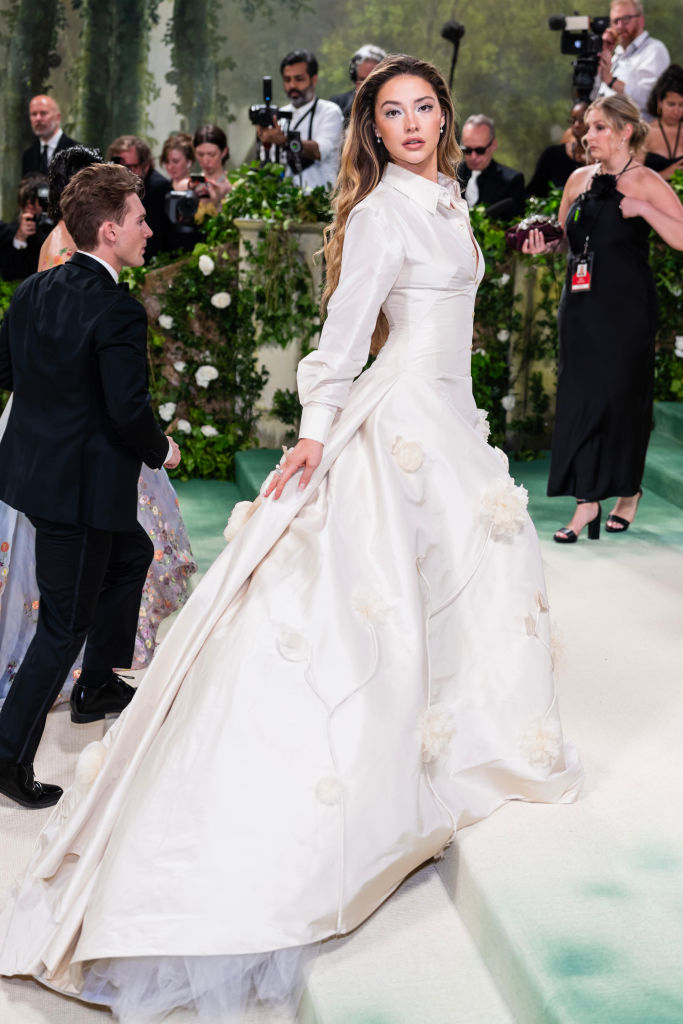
x,y
378,139
441,130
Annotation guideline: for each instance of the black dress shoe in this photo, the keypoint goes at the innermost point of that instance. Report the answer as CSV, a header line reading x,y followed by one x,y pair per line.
x,y
18,783
91,703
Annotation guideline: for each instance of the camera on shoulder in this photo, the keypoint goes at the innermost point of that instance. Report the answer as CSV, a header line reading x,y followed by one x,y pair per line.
x,y
582,38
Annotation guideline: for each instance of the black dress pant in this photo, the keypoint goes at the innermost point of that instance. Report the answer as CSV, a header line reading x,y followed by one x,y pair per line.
x,y
90,584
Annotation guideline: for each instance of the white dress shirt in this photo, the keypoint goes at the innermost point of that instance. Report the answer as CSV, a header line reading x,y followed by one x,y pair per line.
x,y
327,130
638,67
51,145
472,190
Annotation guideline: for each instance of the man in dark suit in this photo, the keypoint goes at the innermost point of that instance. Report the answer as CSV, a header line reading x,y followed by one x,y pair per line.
x,y
45,117
135,154
497,187
73,348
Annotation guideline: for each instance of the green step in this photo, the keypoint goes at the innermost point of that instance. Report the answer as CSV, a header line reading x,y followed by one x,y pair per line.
x,y
669,419
252,467
664,468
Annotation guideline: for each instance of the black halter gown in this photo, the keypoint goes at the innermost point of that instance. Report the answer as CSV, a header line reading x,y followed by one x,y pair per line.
x,y
606,359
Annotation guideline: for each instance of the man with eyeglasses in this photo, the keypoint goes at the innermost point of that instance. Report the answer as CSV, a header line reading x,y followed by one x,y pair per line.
x,y
631,60
134,153
484,181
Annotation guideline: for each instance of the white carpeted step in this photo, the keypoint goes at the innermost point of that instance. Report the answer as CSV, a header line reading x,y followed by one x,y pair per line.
x,y
413,962
577,910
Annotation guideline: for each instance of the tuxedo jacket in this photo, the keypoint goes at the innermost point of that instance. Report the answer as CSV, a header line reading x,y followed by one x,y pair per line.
x,y
497,183
30,159
73,349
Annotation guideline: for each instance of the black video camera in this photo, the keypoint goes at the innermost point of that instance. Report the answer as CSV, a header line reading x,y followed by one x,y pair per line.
x,y
181,206
581,38
262,114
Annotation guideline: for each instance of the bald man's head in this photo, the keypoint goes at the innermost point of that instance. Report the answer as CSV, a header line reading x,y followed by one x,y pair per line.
x,y
45,117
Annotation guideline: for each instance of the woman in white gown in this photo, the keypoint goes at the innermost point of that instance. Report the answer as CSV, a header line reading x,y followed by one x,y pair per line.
x,y
366,668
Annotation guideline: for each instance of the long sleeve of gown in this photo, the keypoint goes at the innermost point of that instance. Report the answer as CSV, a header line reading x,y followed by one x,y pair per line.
x,y
372,257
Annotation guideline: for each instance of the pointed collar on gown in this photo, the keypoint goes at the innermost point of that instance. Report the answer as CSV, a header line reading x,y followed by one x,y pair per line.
x,y
429,194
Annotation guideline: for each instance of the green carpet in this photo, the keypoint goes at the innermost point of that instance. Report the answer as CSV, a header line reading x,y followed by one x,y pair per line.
x,y
206,506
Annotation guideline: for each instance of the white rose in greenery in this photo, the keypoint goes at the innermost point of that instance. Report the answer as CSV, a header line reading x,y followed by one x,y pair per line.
x,y
221,300
678,346
206,265
209,431
184,426
508,402
166,411
503,335
204,375
503,280
165,322
180,365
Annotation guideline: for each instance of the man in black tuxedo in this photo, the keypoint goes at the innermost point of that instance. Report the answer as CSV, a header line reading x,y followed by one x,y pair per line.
x,y
135,154
73,348
45,117
497,187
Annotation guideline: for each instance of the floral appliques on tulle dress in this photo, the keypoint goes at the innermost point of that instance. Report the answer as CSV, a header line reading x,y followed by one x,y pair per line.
x,y
166,586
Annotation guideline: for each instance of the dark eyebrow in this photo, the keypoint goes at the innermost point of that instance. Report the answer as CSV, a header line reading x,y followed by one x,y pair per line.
x,y
396,103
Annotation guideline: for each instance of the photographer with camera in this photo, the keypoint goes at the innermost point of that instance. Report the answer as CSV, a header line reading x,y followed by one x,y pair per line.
x,y
306,133
631,60
361,64
133,152
21,239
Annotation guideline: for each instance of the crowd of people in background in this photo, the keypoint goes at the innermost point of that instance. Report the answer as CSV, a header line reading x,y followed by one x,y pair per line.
x,y
632,63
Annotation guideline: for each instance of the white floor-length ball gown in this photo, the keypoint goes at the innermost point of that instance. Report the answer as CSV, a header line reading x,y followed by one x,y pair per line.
x,y
365,668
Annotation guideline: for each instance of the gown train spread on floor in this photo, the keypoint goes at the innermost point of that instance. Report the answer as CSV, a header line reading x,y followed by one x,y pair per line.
x,y
366,668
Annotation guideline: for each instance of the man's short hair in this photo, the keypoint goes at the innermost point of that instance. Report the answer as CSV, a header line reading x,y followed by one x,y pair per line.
x,y
300,57
367,52
97,194
478,119
124,142
28,189
638,7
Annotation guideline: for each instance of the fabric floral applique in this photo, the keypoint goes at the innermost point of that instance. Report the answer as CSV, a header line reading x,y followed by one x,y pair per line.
x,y
483,427
292,646
369,606
503,507
541,742
408,454
329,791
241,514
90,763
437,727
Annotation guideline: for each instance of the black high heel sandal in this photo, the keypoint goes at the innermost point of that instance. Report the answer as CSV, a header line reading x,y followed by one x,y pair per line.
x,y
623,523
567,536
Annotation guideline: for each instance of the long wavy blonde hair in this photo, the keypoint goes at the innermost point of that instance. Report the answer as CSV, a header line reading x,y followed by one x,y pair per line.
x,y
363,161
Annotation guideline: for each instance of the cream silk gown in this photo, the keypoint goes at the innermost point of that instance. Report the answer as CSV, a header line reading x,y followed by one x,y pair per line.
x,y
365,669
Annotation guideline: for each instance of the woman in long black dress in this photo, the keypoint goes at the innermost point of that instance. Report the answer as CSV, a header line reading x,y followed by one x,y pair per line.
x,y
607,319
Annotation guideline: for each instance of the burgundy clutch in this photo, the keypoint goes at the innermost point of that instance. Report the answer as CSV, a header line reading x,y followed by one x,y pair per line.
x,y
515,237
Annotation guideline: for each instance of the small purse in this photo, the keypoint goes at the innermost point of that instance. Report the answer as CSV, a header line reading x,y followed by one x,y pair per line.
x,y
516,236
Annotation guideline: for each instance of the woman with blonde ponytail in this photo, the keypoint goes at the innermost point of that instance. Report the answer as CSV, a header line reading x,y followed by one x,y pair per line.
x,y
607,319
366,667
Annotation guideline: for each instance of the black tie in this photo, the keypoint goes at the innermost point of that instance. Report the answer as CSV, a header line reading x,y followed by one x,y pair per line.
x,y
43,158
